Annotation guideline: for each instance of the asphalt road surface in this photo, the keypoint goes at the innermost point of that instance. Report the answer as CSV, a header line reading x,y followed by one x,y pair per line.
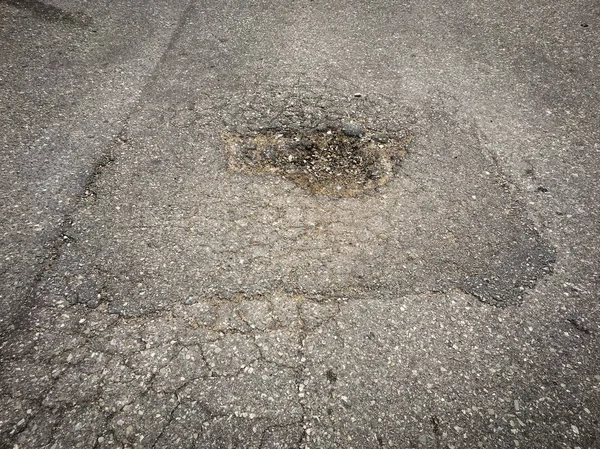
x,y
299,224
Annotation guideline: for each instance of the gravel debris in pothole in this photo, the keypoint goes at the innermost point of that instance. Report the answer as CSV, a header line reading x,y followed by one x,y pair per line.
x,y
337,160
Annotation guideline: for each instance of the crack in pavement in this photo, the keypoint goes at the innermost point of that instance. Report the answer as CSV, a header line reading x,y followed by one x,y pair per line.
x,y
21,320
242,311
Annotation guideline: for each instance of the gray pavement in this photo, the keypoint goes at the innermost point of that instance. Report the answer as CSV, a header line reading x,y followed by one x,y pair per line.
x,y
158,295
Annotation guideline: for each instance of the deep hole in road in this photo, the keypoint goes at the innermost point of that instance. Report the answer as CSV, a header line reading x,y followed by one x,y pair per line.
x,y
340,160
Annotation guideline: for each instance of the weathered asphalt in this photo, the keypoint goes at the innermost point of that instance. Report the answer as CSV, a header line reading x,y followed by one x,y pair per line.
x,y
153,297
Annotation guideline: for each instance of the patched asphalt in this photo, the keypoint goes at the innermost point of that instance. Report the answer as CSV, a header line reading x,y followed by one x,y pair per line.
x,y
181,268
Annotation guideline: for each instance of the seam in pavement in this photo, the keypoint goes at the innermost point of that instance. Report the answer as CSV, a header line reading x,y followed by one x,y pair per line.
x,y
23,315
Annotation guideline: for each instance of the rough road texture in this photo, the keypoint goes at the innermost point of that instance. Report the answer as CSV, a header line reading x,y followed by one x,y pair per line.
x,y
170,301
341,160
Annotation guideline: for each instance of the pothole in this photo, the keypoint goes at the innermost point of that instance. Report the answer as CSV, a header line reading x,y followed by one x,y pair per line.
x,y
340,160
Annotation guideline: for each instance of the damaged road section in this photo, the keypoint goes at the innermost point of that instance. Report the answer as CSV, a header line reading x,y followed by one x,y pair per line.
x,y
337,160
181,213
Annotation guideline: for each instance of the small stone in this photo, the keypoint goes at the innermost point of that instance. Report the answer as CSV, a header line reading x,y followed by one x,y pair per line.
x,y
322,127
575,429
380,138
352,130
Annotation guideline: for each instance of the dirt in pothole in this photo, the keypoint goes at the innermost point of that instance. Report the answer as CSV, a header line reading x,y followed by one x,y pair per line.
x,y
342,161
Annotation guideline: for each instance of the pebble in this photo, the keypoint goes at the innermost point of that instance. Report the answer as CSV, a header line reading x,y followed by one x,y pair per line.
x,y
380,138
352,130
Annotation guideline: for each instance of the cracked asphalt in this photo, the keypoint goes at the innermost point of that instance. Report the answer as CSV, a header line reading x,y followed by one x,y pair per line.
x,y
153,297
